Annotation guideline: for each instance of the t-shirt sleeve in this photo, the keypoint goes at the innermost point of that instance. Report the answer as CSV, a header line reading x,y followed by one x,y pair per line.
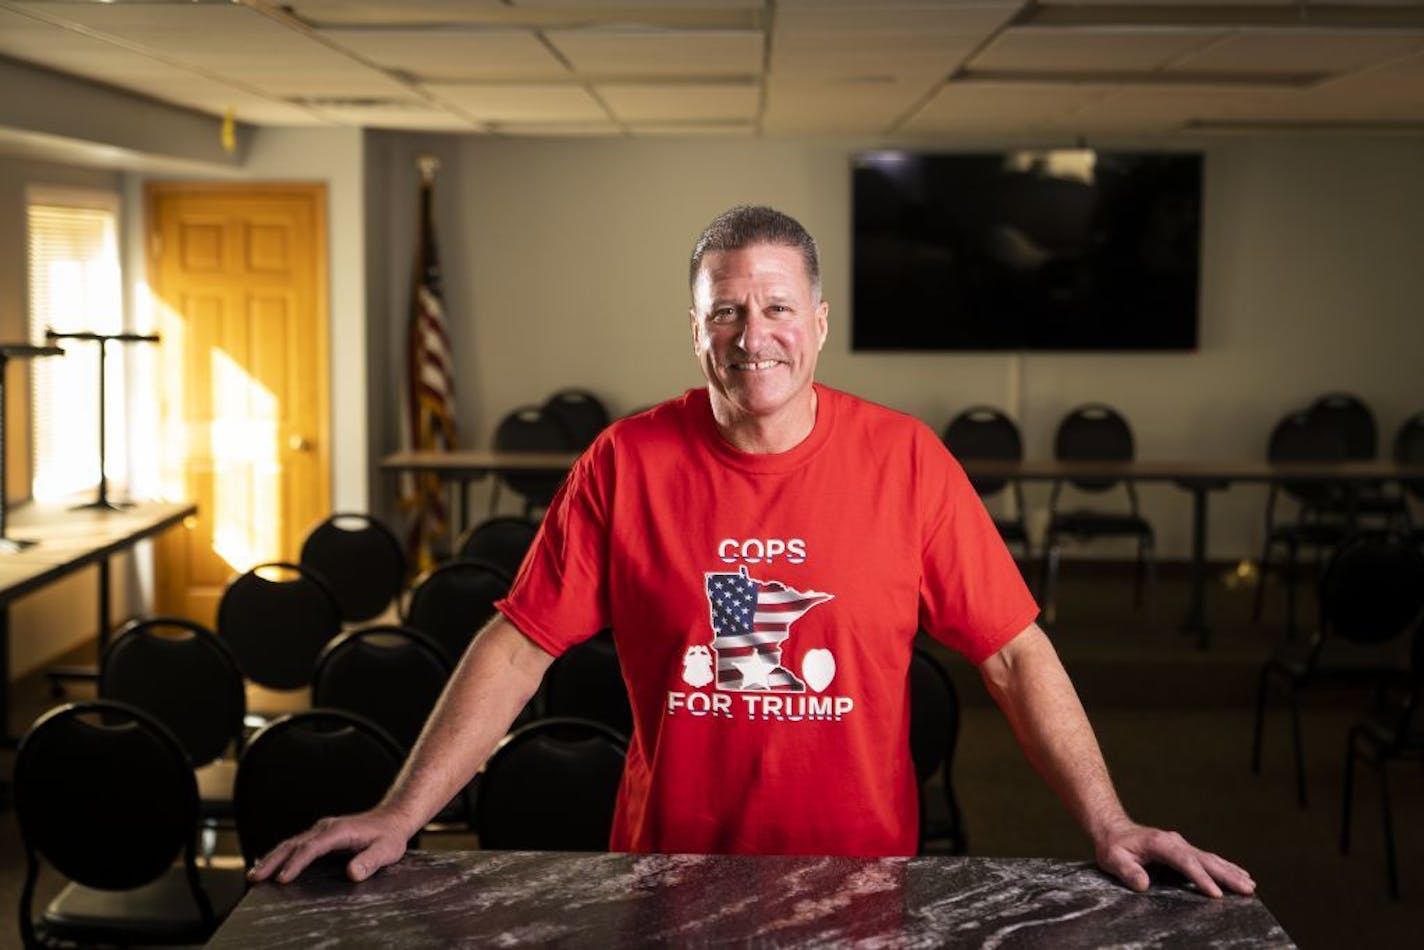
x,y
972,596
560,595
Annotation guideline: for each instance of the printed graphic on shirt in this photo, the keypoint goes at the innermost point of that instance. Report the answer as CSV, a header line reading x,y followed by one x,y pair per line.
x,y
697,666
751,620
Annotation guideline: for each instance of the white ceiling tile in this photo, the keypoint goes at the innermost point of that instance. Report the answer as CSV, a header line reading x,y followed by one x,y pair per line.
x,y
1299,51
454,54
603,53
520,102
871,19
408,116
640,103
559,129
720,130
799,104
1087,51
1006,103
386,13
850,57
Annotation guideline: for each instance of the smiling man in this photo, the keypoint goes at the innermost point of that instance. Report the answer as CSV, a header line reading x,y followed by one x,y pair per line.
x,y
764,549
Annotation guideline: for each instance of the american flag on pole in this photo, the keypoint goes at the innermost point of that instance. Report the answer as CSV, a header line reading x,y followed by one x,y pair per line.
x,y
751,619
430,393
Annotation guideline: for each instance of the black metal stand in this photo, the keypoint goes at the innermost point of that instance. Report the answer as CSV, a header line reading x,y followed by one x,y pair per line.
x,y
103,340
9,351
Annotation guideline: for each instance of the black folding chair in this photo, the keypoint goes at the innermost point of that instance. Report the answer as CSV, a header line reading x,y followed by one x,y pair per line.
x,y
1097,433
1394,732
586,682
580,412
503,541
452,602
360,560
530,429
1371,597
276,618
983,432
307,766
182,674
551,786
105,795
1318,523
934,736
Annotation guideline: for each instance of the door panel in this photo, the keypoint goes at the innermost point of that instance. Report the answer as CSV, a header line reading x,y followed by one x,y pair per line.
x,y
239,276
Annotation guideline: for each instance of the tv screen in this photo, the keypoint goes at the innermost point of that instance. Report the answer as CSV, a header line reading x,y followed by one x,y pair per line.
x,y
1036,249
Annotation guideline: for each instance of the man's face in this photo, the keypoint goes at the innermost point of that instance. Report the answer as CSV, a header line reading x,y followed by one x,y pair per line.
x,y
757,327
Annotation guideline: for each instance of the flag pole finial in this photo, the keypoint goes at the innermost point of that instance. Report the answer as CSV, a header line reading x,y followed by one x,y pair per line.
x,y
428,165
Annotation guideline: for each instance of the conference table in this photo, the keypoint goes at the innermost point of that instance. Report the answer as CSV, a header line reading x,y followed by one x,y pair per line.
x,y
63,540
1200,477
513,898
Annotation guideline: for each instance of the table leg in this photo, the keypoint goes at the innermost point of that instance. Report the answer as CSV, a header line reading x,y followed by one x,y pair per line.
x,y
1196,610
86,673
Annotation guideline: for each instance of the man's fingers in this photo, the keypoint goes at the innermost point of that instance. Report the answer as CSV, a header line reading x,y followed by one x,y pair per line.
x,y
270,861
1120,863
371,860
1233,876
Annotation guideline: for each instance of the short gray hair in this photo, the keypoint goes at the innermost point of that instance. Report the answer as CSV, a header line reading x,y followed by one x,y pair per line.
x,y
749,225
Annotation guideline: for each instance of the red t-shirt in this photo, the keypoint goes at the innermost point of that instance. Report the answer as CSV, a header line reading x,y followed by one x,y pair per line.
x,y
764,609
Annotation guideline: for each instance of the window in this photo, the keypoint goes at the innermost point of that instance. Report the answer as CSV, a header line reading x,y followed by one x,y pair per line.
x,y
75,285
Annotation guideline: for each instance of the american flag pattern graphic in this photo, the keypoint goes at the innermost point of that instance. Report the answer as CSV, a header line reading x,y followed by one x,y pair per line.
x,y
751,620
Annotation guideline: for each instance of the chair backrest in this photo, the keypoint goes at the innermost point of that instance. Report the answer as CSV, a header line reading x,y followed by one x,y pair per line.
x,y
530,429
1093,433
391,675
983,432
452,602
106,794
1299,437
179,672
1373,589
361,561
551,786
1351,417
586,682
1409,447
276,618
580,412
502,540
934,716
307,766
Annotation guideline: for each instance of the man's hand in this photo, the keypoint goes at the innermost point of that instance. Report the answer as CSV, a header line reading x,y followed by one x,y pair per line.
x,y
378,838
1126,849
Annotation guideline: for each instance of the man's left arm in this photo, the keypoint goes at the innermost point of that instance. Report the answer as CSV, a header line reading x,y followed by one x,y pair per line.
x,y
1029,683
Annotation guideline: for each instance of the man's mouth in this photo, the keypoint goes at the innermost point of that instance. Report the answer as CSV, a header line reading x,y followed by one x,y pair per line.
x,y
756,366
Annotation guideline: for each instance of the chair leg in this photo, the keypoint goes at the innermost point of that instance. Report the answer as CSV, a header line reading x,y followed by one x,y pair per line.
x,y
1291,552
1260,729
1299,741
1347,805
1387,819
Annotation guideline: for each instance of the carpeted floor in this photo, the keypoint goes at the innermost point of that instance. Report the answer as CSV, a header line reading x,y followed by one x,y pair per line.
x,y
1174,723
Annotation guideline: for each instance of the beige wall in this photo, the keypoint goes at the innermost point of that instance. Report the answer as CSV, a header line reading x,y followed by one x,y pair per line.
x,y
574,273
56,618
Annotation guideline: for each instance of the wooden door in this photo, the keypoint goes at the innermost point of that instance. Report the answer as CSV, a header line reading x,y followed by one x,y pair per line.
x,y
238,275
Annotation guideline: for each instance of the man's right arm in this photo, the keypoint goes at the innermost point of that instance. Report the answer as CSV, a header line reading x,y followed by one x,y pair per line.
x,y
497,676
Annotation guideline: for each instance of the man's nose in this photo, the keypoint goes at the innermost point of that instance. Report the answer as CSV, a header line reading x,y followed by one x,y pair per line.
x,y
755,331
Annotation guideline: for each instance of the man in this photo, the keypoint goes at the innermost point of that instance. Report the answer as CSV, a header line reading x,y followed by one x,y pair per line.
x,y
765,550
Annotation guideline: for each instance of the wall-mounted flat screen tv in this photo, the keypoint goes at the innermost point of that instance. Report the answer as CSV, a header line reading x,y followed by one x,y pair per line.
x,y
1035,249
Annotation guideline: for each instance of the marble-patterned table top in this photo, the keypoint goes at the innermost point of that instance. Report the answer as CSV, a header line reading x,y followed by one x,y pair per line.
x,y
507,898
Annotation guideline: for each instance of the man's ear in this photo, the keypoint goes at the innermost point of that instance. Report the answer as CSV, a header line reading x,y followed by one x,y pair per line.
x,y
822,325
696,330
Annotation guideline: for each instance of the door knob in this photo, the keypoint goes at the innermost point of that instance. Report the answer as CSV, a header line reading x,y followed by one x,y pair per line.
x,y
299,443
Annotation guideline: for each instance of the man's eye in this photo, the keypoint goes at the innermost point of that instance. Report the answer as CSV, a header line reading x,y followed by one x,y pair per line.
x,y
724,315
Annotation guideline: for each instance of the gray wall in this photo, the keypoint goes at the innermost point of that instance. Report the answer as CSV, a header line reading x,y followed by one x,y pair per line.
x,y
574,273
